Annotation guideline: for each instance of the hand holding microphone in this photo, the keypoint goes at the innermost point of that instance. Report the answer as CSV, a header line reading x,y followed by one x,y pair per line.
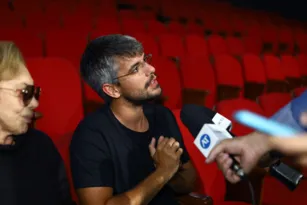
x,y
209,129
247,151
250,149
236,156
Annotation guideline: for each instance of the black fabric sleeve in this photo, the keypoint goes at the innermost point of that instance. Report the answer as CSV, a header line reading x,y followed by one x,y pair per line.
x,y
91,164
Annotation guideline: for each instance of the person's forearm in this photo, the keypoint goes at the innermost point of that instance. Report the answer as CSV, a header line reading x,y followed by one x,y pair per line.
x,y
267,159
183,181
144,192
181,185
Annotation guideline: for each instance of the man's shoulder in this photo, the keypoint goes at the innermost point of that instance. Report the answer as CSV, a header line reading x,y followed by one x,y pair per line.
x,y
92,125
95,119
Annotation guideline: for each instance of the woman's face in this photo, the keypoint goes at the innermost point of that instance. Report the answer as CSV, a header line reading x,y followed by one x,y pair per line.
x,y
16,103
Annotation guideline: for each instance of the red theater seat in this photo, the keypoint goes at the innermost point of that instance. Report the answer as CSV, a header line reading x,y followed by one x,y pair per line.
x,y
253,69
254,75
217,45
130,26
60,102
169,80
105,26
275,193
66,44
171,45
234,46
196,45
30,43
286,38
252,44
156,28
270,36
198,74
177,28
291,69
302,61
272,102
298,91
275,75
149,43
227,108
211,180
229,77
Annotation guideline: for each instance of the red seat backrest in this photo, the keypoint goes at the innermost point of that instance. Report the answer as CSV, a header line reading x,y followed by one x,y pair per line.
x,y
198,74
196,45
60,101
253,69
217,45
273,68
272,102
212,182
228,71
227,108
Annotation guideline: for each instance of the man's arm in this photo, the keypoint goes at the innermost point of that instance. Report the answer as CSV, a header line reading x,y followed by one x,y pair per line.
x,y
143,193
268,158
93,173
184,180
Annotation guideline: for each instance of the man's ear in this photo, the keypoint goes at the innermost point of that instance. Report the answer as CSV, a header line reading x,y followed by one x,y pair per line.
x,y
111,90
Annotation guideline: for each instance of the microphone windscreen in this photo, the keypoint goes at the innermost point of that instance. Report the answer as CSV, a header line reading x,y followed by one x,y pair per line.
x,y
195,116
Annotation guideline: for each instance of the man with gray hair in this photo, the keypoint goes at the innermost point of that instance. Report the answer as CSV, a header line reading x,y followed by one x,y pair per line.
x,y
130,151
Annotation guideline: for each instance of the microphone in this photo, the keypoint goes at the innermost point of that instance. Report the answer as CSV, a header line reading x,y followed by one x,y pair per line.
x,y
198,118
208,128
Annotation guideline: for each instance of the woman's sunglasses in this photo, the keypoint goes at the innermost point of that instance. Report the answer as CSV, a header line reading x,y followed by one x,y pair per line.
x,y
29,92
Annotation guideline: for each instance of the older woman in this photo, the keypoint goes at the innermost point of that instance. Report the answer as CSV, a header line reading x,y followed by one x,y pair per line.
x,y
31,169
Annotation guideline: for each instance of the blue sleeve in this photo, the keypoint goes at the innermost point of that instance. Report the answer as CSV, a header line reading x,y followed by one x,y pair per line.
x,y
290,113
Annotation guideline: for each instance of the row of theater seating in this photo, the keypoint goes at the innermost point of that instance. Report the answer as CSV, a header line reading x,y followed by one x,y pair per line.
x,y
254,29
207,83
165,44
62,113
235,45
52,74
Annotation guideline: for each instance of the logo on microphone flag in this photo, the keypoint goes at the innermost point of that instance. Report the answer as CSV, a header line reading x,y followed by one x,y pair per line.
x,y
205,141
209,136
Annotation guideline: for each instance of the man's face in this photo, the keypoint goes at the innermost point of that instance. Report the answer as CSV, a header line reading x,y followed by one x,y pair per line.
x,y
137,79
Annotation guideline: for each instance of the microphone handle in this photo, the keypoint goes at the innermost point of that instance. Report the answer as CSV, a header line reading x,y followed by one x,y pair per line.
x,y
290,177
237,168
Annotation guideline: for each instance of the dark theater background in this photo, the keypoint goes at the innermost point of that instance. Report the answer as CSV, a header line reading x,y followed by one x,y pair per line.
x,y
226,55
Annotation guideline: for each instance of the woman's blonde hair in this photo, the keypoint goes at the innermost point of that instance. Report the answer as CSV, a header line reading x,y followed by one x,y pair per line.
x,y
10,60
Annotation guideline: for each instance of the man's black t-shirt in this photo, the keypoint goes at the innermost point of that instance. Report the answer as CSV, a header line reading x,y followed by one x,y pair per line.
x,y
32,172
120,160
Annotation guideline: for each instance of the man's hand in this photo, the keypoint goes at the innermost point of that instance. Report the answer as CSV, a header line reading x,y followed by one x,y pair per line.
x,y
247,151
167,154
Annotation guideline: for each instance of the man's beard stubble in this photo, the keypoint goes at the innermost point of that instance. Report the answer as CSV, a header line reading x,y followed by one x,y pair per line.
x,y
141,99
